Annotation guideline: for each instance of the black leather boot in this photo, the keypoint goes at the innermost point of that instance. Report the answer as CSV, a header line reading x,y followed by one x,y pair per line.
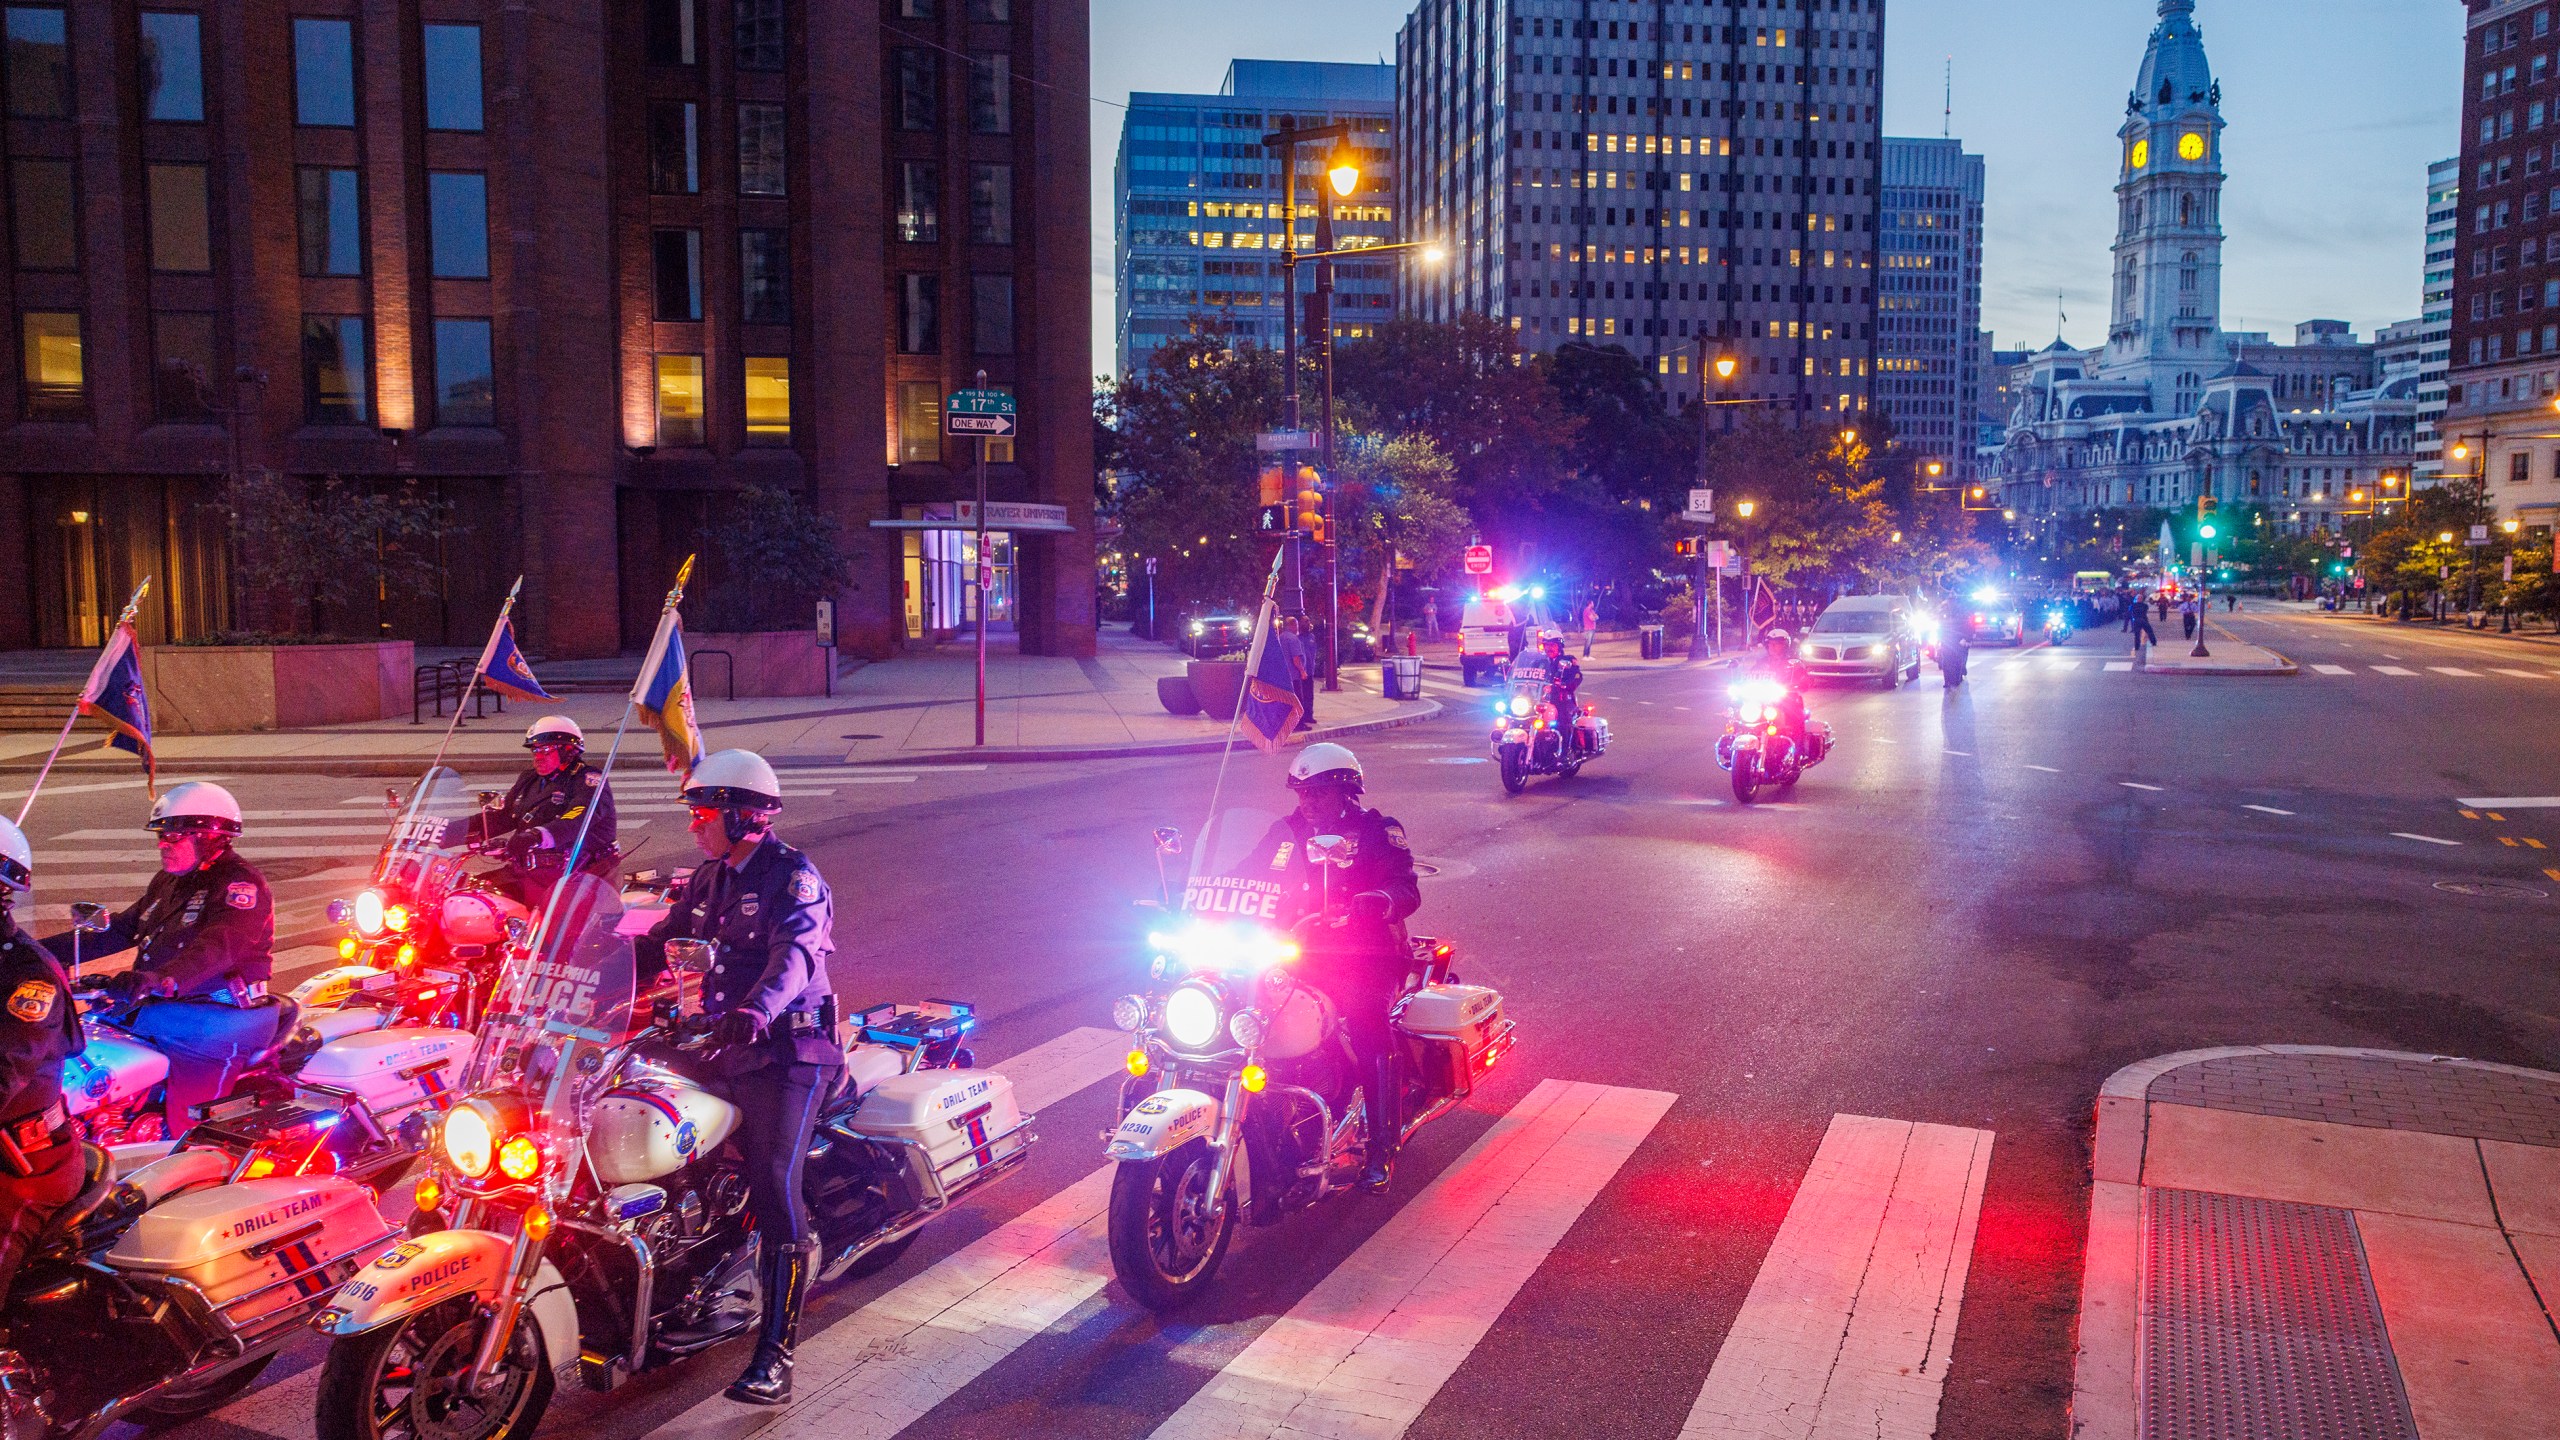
x,y
1386,1124
767,1378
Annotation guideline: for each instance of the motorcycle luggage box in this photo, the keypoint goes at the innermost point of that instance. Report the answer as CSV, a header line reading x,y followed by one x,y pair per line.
x,y
1462,1021
260,1250
950,1124
392,1071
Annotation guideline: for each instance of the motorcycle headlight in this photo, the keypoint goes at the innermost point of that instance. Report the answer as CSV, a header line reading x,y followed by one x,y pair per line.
x,y
1750,714
1191,1017
397,917
519,1158
1520,705
1247,1028
369,913
470,1139
1129,1011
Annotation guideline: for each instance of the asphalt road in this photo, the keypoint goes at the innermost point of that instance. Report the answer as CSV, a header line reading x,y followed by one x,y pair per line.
x,y
1986,902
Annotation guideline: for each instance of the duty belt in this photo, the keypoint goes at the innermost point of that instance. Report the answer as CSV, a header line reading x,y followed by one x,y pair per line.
x,y
23,1139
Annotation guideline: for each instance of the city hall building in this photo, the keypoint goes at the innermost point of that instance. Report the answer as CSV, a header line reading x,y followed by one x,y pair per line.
x,y
581,271
2173,407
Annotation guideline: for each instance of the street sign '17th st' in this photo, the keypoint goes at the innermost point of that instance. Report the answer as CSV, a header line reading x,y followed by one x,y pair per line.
x,y
978,412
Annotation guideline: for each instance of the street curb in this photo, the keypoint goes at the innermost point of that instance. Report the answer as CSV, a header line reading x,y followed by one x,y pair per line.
x,y
404,766
2106,1394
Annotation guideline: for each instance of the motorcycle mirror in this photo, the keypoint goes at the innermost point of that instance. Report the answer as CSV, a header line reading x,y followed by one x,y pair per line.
x,y
517,930
391,800
339,911
1334,850
1168,840
88,915
690,956
488,798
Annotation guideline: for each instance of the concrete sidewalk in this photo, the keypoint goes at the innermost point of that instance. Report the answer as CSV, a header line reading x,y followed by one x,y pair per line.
x,y
918,709
2226,654
2322,1243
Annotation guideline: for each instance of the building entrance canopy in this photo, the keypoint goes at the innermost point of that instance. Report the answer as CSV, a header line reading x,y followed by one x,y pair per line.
x,y
1001,515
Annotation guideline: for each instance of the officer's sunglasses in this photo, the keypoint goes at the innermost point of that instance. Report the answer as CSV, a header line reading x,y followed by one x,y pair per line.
x,y
705,814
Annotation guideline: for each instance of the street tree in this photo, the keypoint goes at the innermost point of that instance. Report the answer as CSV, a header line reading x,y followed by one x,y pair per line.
x,y
313,557
1393,499
1189,490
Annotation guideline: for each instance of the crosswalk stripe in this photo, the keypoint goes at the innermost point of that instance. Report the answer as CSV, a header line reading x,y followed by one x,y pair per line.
x,y
254,856
2333,669
2062,665
121,833
1851,1323
2392,670
1366,1350
57,787
2455,670
2119,665
2528,674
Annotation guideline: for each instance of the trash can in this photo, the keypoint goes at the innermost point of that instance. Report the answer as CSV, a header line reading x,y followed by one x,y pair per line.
x,y
1401,677
1649,642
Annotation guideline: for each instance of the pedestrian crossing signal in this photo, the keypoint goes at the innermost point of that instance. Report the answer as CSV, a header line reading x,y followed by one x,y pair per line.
x,y
1685,549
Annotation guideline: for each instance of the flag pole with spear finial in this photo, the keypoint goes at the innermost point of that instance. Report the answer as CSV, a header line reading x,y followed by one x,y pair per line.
x,y
132,608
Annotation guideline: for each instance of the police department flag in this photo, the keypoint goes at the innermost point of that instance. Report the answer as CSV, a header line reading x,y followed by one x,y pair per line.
x,y
115,694
664,695
503,667
1270,709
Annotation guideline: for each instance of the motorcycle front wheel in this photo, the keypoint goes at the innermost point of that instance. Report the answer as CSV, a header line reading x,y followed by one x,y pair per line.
x,y
1165,1243
1745,787
404,1381
1515,770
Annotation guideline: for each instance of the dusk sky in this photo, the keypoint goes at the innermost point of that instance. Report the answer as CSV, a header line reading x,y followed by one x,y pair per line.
x,y
2336,108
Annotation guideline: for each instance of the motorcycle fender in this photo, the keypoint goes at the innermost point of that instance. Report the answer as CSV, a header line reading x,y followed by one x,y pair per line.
x,y
1747,743
432,1268
1516,737
1161,1123
331,987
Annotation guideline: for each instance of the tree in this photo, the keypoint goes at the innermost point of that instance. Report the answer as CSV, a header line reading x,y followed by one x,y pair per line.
x,y
307,549
767,559
1189,493
1818,511
1392,499
1492,411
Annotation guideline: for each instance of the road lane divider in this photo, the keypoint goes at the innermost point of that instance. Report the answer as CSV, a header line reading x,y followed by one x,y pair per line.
x,y
2429,839
2392,670
2332,670
1850,1324
2513,802
2138,785
2266,809
1374,1341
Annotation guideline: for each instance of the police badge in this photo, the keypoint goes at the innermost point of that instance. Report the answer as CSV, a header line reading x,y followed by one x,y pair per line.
x,y
241,896
32,1001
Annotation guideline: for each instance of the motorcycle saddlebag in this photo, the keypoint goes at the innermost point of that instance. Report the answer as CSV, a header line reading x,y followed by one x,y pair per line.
x,y
260,1251
1595,734
952,1126
392,1071
1458,1032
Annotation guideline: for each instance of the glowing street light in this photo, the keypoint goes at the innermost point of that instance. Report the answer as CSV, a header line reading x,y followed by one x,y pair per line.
x,y
1344,173
1726,365
1745,507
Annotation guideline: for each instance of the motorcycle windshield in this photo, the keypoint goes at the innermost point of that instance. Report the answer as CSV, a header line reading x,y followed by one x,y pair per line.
x,y
434,827
1234,904
553,1013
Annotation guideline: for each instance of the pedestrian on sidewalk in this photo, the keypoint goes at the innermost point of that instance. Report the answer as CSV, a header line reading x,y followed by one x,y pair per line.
x,y
2161,598
2230,601
1297,650
2143,634
1590,626
2188,613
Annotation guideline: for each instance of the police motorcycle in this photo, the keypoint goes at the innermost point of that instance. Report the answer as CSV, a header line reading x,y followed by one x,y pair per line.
x,y
1243,1101
158,1298
1528,740
1755,745
594,1222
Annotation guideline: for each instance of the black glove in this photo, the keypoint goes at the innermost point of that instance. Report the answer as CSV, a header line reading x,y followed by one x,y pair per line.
x,y
520,844
741,1026
1371,905
132,985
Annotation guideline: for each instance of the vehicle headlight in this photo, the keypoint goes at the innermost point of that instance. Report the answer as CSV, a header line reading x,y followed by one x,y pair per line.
x,y
1520,705
469,1140
1129,1011
1749,713
1247,1027
1191,1017
519,1158
397,917
369,912
1197,627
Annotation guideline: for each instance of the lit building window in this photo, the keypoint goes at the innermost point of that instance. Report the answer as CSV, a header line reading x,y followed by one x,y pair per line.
x,y
680,412
51,358
768,400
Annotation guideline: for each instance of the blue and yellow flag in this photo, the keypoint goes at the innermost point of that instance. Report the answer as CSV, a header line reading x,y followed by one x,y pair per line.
x,y
115,693
664,695
503,667
1270,709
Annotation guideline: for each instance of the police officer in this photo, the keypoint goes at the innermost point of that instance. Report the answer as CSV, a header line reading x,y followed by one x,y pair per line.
x,y
40,1170
205,926
539,819
772,922
1777,661
1355,947
1550,666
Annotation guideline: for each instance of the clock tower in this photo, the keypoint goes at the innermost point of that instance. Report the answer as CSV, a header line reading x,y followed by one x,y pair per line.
x,y
2164,322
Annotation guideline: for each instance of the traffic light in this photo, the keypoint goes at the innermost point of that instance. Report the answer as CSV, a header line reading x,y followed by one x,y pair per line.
x,y
2206,506
1273,517
1311,504
1685,549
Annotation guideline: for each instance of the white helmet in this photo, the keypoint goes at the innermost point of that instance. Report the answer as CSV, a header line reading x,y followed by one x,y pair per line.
x,y
17,861
197,805
1325,760
555,730
734,778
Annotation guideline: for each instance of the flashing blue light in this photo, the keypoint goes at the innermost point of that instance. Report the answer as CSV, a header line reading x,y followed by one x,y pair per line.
x,y
1538,592
1985,595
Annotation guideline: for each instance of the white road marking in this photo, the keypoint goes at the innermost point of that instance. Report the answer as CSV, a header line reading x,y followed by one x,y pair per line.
x,y
2392,670
2049,770
2513,802
2430,839
2119,664
57,787
2266,809
2528,674
1851,1322
1365,1351
1967,754
2137,785
2062,665
2333,669
121,833
2455,670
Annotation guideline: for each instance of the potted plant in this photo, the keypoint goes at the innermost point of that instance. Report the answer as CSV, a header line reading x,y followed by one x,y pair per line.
x,y
767,558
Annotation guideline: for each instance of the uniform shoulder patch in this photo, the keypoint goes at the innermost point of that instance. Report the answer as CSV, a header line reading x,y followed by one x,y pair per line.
x,y
804,886
33,1000
1395,836
592,779
241,896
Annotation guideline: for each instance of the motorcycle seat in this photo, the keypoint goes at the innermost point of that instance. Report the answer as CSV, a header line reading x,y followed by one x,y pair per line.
x,y
66,1228
202,1028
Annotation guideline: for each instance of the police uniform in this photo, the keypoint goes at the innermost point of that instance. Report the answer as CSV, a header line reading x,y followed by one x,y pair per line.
x,y
772,924
211,929
1362,965
40,1169
1562,674
553,806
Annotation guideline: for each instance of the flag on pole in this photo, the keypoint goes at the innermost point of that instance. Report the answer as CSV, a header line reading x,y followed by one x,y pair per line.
x,y
664,695
1270,708
115,694
503,667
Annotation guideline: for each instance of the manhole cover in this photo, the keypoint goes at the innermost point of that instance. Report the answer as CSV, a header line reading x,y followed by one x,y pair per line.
x,y
2507,889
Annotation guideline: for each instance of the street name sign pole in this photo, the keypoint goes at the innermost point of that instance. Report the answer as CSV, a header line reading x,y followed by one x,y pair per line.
x,y
979,413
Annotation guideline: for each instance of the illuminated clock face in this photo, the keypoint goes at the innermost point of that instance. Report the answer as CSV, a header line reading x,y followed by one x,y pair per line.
x,y
2141,153
2191,146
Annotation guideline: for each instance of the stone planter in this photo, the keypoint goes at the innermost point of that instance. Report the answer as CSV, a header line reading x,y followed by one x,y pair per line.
x,y
1218,685
227,689
767,662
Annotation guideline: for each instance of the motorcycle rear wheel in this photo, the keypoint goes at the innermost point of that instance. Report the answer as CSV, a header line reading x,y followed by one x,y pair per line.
x,y
426,1353
178,1405
1745,787
1164,1247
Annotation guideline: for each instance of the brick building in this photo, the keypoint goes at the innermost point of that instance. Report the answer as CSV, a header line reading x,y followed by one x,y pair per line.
x,y
581,269
2499,424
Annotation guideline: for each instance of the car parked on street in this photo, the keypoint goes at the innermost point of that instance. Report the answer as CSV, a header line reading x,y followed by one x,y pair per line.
x,y
1212,636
